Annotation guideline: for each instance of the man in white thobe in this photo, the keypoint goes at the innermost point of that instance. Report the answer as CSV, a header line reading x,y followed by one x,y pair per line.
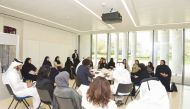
x,y
20,89
120,75
153,95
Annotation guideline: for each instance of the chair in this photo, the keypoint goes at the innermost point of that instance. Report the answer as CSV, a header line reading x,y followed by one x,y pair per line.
x,y
65,103
124,90
45,97
18,99
74,83
77,82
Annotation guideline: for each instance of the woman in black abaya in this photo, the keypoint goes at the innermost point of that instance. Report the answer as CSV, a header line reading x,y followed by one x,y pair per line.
x,y
47,62
29,70
163,73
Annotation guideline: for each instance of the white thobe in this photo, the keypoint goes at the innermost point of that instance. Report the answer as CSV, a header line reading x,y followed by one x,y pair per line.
x,y
20,88
120,75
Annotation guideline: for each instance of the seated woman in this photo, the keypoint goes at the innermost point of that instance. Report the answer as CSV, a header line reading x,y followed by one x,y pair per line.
x,y
58,64
135,67
63,90
111,64
152,96
69,67
53,73
43,81
126,65
98,95
47,62
140,75
29,70
102,63
150,69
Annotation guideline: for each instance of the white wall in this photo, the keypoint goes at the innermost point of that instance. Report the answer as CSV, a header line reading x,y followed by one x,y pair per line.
x,y
40,41
84,45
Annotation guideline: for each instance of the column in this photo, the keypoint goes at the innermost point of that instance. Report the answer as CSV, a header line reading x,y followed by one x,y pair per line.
x,y
133,47
155,52
125,46
177,51
109,48
164,45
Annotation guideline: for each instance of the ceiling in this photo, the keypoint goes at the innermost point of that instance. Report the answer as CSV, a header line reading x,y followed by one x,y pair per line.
x,y
82,16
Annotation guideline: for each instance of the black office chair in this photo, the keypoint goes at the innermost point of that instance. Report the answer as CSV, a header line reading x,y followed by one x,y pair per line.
x,y
64,103
18,99
45,97
124,90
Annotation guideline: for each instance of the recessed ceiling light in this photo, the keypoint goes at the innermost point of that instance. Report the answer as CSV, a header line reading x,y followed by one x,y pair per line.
x,y
128,11
77,1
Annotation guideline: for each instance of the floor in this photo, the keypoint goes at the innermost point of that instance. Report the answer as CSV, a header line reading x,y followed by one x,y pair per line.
x,y
178,100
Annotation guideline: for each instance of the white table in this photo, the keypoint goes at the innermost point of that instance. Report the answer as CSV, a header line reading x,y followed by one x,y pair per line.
x,y
108,74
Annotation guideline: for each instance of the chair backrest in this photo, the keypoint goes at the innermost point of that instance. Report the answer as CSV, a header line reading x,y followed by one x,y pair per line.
x,y
9,89
44,96
124,88
65,103
78,81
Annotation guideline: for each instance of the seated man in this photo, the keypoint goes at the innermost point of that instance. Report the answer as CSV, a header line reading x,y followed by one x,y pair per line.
x,y
120,75
152,96
20,89
83,72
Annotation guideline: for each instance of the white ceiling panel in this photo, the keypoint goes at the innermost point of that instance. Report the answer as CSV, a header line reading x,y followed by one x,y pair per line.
x,y
85,15
155,12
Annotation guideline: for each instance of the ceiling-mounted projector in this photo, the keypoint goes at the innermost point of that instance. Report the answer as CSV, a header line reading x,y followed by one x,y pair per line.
x,y
112,17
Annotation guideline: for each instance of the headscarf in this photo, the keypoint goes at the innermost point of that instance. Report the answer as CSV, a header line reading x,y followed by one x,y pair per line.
x,y
62,79
46,62
56,60
152,96
11,67
27,67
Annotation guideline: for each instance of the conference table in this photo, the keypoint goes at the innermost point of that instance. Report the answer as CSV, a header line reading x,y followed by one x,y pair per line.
x,y
106,73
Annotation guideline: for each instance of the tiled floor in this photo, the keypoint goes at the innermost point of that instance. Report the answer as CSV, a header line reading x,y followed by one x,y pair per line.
x,y
178,100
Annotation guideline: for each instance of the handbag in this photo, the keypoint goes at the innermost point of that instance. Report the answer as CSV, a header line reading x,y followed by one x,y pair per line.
x,y
173,87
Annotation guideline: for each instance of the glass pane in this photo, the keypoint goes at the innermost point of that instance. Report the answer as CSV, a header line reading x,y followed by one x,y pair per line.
x,y
176,54
187,57
170,49
132,42
93,48
113,46
121,41
101,46
144,46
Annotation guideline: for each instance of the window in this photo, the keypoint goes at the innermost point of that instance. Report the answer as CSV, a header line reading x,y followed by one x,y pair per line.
x,y
144,46
99,47
187,57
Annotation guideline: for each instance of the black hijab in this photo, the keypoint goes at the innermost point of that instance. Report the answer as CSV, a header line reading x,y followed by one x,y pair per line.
x,y
27,67
47,62
56,60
